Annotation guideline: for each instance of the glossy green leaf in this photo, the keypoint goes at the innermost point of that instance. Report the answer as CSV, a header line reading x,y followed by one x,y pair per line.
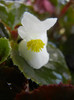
x,y
4,49
55,71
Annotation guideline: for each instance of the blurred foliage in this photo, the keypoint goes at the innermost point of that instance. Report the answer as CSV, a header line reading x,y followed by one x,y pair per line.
x,y
68,50
12,13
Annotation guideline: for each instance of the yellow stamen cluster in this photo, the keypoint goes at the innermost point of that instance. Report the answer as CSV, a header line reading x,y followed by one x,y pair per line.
x,y
35,45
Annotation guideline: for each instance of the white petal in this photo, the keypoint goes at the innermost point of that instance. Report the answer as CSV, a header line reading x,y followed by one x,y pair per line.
x,y
31,23
35,60
48,23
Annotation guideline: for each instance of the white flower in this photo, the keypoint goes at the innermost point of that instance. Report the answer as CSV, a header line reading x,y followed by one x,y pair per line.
x,y
34,34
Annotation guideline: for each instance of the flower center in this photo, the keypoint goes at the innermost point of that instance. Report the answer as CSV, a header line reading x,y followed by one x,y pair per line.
x,y
35,45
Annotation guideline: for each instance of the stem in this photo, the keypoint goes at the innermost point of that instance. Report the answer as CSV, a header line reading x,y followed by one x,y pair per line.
x,y
65,8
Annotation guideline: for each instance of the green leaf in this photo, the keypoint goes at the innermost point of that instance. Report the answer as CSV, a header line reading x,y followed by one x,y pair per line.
x,y
55,71
4,49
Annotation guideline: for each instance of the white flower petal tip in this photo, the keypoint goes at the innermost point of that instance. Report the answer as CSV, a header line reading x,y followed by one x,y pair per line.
x,y
33,47
48,23
28,17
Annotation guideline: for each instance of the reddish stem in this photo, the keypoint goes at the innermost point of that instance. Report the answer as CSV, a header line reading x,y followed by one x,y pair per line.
x,y
64,10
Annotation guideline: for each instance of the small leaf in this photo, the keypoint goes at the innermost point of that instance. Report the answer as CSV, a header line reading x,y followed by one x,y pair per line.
x,y
51,92
4,49
55,71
